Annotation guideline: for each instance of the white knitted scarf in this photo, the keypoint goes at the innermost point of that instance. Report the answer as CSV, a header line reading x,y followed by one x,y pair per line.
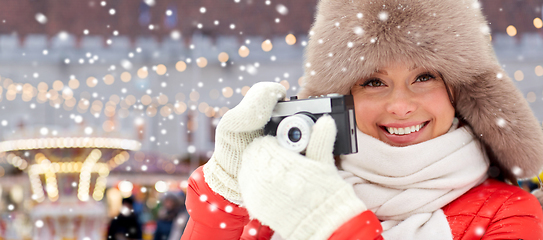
x,y
406,187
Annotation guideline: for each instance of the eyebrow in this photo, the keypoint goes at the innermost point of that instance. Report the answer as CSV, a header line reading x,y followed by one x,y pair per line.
x,y
413,67
382,72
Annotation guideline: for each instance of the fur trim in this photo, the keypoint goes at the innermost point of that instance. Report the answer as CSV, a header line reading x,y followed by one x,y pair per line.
x,y
351,39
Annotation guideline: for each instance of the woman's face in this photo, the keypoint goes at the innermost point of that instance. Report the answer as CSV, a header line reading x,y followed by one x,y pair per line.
x,y
402,106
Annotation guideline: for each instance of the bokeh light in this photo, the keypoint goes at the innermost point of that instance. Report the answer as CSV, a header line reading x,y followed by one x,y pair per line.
x,y
266,45
109,79
161,186
146,100
126,77
142,72
162,99
42,87
161,69
223,57
180,97
73,83
151,111
244,90
243,51
165,111
227,92
290,39
58,85
539,71
180,66
285,84
108,126
519,75
194,96
538,23
511,30
180,107
92,81
531,97
201,62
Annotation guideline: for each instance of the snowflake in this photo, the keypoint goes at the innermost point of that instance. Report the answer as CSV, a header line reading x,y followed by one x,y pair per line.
x,y
383,16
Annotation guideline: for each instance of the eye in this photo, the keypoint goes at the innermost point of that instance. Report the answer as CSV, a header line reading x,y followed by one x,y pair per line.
x,y
374,82
425,77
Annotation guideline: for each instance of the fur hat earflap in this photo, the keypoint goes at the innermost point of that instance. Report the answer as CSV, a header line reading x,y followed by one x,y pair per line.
x,y
351,40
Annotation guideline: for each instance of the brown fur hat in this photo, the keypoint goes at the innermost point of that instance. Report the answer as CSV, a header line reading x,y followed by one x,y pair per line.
x,y
351,39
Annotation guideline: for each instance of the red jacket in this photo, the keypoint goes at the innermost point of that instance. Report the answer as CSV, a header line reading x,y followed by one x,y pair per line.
x,y
492,210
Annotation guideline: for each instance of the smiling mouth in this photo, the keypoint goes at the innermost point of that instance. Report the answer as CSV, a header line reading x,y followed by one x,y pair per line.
x,y
404,131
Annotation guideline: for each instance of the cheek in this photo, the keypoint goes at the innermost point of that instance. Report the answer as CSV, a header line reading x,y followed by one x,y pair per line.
x,y
367,113
440,107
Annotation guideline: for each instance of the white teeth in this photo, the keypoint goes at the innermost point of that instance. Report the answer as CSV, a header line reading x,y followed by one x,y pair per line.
x,y
404,131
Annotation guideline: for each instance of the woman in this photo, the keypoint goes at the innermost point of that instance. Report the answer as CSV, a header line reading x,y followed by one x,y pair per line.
x,y
441,127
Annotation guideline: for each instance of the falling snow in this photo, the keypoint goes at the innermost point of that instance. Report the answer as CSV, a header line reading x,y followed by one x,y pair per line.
x,y
383,16
281,9
517,171
41,18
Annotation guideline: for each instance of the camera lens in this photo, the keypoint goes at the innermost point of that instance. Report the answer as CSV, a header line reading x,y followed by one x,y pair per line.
x,y
294,134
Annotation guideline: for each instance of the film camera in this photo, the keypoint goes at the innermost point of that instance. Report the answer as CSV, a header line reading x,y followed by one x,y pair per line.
x,y
292,122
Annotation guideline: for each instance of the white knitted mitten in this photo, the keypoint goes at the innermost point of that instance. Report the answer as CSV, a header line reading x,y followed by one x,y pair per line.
x,y
298,197
237,128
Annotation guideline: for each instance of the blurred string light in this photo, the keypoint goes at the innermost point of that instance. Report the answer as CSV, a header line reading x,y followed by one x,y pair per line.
x,y
201,62
539,71
266,45
73,83
511,30
85,175
519,75
50,169
126,188
69,142
223,57
180,66
91,82
16,161
161,186
142,72
109,79
538,23
285,84
290,39
51,185
126,77
63,96
161,69
227,92
531,97
243,51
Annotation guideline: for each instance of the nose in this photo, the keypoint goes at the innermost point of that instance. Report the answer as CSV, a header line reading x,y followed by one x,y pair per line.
x,y
401,103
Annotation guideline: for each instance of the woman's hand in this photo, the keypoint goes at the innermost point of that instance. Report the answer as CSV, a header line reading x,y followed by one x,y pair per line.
x,y
298,197
237,128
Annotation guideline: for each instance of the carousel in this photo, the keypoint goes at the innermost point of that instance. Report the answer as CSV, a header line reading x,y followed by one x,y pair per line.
x,y
68,177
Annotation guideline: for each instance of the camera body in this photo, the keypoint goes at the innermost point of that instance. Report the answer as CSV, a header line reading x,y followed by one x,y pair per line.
x,y
292,121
